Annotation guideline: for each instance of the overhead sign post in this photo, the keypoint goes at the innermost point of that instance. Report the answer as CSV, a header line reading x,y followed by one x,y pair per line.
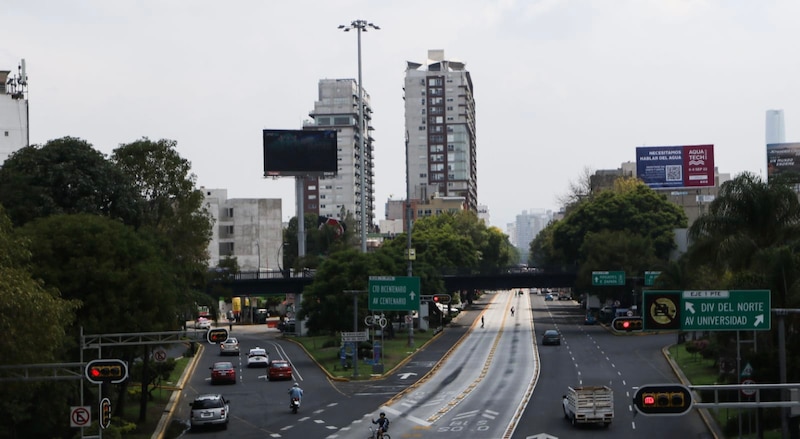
x,y
735,310
604,278
394,293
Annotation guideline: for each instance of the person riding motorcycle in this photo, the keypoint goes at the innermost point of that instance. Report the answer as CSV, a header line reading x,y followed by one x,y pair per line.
x,y
383,424
295,392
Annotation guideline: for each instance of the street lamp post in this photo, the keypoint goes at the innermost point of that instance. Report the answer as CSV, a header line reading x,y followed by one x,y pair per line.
x,y
408,243
361,26
355,328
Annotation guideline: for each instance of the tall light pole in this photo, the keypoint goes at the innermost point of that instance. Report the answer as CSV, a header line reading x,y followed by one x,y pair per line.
x,y
361,26
408,242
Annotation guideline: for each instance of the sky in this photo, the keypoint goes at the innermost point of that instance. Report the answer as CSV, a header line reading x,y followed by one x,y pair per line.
x,y
561,86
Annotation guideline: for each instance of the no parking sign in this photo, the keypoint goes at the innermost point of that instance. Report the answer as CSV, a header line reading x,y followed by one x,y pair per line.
x,y
80,416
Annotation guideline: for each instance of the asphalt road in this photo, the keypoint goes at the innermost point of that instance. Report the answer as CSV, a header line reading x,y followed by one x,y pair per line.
x,y
469,382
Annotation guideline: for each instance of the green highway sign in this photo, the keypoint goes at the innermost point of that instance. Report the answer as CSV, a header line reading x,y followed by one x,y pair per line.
x,y
391,293
735,310
650,278
600,278
725,310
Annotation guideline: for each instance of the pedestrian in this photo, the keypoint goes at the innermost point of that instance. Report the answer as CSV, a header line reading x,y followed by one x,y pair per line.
x,y
512,310
481,321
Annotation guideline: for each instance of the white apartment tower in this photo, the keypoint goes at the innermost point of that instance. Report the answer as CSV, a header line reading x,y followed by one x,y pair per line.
x,y
440,129
337,109
775,129
14,131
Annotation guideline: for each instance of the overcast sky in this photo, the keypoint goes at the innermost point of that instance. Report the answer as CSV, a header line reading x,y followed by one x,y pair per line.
x,y
559,85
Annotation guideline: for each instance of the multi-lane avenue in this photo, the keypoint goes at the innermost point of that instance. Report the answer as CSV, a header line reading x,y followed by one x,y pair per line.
x,y
490,380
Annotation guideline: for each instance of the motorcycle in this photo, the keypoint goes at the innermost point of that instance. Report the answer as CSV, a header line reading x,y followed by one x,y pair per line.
x,y
294,405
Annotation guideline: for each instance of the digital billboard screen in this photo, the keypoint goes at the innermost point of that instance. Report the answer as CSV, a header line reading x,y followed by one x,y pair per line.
x,y
675,166
300,153
783,158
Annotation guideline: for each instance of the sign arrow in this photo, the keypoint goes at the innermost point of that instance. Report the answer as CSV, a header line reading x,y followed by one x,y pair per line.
x,y
412,294
690,307
404,376
542,436
759,319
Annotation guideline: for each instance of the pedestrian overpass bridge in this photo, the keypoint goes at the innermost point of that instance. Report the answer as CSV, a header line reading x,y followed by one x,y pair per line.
x,y
277,283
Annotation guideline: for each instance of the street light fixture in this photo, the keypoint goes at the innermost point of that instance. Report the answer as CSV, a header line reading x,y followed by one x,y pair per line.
x,y
361,26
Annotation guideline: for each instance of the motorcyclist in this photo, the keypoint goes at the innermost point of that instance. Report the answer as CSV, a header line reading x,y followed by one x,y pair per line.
x,y
383,424
295,392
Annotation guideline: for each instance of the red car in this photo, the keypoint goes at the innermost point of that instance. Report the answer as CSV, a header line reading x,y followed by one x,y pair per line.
x,y
223,372
279,369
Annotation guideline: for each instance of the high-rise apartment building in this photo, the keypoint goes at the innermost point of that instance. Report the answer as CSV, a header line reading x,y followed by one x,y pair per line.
x,y
14,132
337,109
775,130
440,125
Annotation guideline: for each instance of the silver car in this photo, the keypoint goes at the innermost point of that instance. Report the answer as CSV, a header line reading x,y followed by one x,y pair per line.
x,y
229,347
210,409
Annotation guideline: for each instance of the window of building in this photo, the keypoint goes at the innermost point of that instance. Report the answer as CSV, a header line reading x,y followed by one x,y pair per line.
x,y
435,81
437,148
450,108
437,129
226,249
436,101
312,197
422,128
437,166
342,120
229,212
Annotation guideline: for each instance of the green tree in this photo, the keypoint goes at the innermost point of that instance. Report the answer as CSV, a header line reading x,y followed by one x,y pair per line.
x,y
631,207
325,304
37,315
65,175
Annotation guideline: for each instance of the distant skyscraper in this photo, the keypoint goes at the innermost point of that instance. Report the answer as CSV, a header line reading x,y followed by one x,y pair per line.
x,y
440,125
775,132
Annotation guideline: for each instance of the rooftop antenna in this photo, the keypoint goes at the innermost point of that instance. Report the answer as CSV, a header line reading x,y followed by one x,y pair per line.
x,y
18,84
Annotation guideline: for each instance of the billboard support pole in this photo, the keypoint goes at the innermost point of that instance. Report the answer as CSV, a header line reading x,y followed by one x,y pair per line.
x,y
301,221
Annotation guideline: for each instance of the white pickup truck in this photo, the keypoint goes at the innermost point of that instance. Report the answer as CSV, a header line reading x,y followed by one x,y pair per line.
x,y
589,405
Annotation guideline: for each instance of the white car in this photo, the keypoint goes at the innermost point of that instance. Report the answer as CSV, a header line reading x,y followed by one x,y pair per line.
x,y
257,357
202,323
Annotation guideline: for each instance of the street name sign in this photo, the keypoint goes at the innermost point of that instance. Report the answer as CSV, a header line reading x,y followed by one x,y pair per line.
x,y
602,278
725,310
394,293
355,336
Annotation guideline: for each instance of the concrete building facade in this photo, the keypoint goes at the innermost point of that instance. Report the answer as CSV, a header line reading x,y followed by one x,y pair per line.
x,y
337,109
14,125
440,125
775,131
248,229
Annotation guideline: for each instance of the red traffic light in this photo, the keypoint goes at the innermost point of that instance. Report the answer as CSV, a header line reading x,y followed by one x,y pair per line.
x,y
436,299
663,399
106,371
441,298
217,335
628,324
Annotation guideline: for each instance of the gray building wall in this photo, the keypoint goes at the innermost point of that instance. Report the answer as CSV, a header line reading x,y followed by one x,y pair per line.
x,y
13,116
249,229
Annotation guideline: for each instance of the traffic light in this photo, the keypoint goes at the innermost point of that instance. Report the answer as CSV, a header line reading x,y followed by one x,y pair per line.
x,y
105,413
106,371
441,298
663,399
627,324
217,335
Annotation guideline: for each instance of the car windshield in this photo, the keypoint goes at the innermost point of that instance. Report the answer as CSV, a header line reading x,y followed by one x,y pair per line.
x,y
223,366
213,403
551,332
280,364
231,341
258,353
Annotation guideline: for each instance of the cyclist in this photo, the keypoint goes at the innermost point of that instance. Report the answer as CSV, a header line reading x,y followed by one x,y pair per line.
x,y
383,425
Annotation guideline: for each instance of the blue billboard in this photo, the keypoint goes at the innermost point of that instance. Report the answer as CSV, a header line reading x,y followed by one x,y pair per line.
x,y
675,166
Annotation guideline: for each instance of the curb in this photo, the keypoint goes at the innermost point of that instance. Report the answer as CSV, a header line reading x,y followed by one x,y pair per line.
x,y
711,424
166,418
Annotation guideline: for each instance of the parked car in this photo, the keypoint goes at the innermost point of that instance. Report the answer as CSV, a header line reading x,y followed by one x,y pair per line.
x,y
202,323
223,372
551,336
279,370
548,297
209,409
229,347
257,357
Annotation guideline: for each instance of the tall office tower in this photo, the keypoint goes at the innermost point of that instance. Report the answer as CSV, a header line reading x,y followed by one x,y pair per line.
x,y
775,132
440,129
14,129
337,109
